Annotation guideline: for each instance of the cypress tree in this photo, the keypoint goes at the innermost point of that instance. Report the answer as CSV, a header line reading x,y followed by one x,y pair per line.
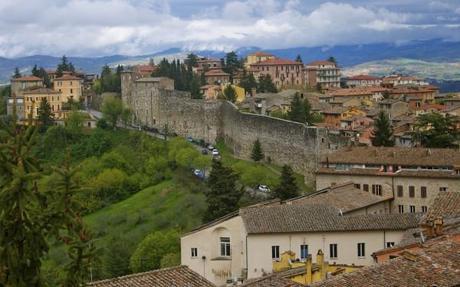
x,y
45,115
288,187
257,153
17,74
222,195
382,135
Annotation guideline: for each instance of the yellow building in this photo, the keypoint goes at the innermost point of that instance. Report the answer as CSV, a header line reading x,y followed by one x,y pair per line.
x,y
70,86
33,98
257,57
18,85
306,272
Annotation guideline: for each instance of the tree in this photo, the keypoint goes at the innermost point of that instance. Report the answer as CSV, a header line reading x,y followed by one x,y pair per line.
x,y
150,252
191,61
232,64
332,59
300,111
45,115
257,153
230,93
116,258
248,82
382,134
64,66
437,131
287,187
266,84
35,71
298,59
222,196
112,109
5,92
31,215
17,74
74,121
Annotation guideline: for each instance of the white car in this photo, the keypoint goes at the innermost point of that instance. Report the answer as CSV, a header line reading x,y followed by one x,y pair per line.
x,y
215,152
263,188
210,147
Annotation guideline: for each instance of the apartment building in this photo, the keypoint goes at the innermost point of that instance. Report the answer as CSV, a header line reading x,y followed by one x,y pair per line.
x,y
323,74
348,224
69,86
257,57
34,97
18,85
414,176
284,73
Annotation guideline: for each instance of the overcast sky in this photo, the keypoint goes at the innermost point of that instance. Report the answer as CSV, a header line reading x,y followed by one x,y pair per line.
x,y
133,27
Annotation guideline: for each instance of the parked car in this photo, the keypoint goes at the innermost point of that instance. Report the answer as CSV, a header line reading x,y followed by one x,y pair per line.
x,y
215,152
210,147
189,139
263,188
204,151
199,173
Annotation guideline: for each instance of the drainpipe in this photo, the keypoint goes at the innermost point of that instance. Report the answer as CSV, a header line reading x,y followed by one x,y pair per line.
x,y
247,267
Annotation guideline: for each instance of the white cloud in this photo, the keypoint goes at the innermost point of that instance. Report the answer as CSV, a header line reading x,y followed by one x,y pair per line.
x,y
100,27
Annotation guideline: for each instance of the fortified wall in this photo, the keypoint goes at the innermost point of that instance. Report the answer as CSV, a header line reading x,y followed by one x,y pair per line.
x,y
155,103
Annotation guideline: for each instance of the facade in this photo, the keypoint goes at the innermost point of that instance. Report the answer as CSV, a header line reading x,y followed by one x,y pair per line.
x,y
284,73
393,107
362,94
69,86
257,57
18,85
363,81
324,74
245,244
206,64
33,98
398,80
414,177
18,104
217,76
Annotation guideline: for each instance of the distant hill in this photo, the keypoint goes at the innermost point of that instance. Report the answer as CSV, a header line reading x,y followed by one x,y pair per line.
x,y
347,55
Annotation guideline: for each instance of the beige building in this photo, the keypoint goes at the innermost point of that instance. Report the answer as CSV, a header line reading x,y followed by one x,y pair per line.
x,y
284,73
70,86
345,222
412,176
363,81
257,57
217,76
18,85
33,98
323,73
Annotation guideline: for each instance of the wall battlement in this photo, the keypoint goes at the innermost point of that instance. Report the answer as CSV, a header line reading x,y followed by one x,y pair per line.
x,y
283,141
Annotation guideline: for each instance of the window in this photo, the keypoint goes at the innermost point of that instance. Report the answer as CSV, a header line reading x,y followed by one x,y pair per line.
x,y
361,250
366,187
194,252
443,188
400,191
333,250
411,191
423,192
225,246
358,186
275,252
401,208
412,209
377,189
424,208
303,251
390,244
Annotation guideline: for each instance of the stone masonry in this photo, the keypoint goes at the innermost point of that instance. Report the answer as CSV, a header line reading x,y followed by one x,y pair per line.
x,y
155,103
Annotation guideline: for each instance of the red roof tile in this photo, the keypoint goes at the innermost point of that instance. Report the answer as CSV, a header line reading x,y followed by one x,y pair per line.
x,y
26,79
67,77
275,62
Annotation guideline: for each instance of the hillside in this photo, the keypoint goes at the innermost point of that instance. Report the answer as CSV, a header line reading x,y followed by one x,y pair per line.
x,y
434,50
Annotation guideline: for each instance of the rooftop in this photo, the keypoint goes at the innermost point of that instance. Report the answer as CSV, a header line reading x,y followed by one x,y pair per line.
x,y
274,62
216,72
436,264
345,197
319,218
67,77
261,54
272,280
180,276
363,78
26,79
319,63
357,91
446,204
395,156
43,91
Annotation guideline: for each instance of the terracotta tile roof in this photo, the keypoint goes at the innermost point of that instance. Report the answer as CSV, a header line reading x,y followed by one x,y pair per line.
x,y
216,72
345,197
26,79
446,204
272,280
356,91
319,218
67,77
363,78
395,156
40,91
274,62
436,264
180,276
403,173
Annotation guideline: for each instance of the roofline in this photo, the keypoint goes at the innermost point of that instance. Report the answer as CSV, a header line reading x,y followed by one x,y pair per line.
x,y
213,223
329,231
388,175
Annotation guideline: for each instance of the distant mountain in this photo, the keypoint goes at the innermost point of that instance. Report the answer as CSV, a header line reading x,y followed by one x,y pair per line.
x,y
347,55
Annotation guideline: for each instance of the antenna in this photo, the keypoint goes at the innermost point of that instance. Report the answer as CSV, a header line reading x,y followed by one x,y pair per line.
x,y
340,212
